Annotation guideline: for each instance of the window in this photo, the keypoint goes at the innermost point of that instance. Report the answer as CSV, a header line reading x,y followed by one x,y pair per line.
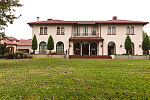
x,y
128,30
42,48
41,30
45,30
109,30
77,31
132,29
62,30
113,30
58,30
85,31
93,30
60,48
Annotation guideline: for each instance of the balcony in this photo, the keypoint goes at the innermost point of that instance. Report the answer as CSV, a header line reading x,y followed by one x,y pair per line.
x,y
85,35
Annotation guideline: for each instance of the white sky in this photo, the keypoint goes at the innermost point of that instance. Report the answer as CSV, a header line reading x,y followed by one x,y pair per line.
x,y
137,10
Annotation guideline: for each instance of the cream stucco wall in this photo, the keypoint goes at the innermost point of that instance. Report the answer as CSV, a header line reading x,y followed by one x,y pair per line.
x,y
24,47
118,39
51,30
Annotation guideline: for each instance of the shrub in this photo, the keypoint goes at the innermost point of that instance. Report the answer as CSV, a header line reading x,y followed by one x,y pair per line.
x,y
10,56
25,56
21,55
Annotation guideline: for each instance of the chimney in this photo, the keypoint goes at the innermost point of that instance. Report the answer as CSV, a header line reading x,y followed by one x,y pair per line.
x,y
38,19
114,18
49,19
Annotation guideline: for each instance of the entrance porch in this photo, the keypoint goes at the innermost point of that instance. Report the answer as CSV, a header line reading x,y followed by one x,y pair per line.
x,y
85,47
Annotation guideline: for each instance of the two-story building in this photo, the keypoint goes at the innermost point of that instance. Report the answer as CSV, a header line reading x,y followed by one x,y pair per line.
x,y
89,37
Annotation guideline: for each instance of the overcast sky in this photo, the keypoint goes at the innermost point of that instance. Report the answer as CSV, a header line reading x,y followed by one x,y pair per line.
x,y
137,10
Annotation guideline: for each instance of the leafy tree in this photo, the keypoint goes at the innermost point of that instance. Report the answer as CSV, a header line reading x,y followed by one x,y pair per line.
x,y
128,44
144,34
3,49
50,43
34,44
7,10
146,44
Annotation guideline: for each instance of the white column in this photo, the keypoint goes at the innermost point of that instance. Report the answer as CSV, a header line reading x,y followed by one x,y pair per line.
x,y
81,50
89,48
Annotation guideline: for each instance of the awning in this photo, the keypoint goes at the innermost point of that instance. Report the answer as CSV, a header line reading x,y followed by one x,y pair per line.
x,y
86,39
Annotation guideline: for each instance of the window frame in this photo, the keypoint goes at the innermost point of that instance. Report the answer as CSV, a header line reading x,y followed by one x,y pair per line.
x,y
41,30
109,30
94,30
132,30
62,30
45,30
58,30
113,30
85,31
128,29
77,30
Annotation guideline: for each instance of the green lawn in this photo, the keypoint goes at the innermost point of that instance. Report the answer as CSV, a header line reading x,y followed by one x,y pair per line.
x,y
84,79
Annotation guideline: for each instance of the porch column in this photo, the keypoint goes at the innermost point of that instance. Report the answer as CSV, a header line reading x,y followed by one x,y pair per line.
x,y
89,48
81,50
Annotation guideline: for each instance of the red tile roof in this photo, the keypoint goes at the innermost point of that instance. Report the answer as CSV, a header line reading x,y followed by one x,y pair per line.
x,y
113,21
86,39
9,42
25,42
12,38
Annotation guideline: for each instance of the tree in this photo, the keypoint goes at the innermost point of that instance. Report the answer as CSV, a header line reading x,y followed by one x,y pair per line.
x,y
7,9
50,44
146,44
3,49
34,44
128,44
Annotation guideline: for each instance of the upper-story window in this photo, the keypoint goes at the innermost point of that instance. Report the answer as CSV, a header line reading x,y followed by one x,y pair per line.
x,y
113,30
128,30
109,30
93,30
62,30
77,31
58,30
41,30
132,29
45,30
85,31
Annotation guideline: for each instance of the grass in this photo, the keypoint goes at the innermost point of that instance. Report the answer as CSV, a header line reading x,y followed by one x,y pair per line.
x,y
73,79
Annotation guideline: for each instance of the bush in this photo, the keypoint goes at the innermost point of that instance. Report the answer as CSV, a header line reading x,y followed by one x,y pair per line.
x,y
21,55
10,56
31,52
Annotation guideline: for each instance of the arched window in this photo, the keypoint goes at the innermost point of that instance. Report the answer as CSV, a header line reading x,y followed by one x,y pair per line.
x,y
58,30
132,29
41,30
45,30
60,48
109,30
42,48
111,48
93,48
62,30
128,30
113,30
